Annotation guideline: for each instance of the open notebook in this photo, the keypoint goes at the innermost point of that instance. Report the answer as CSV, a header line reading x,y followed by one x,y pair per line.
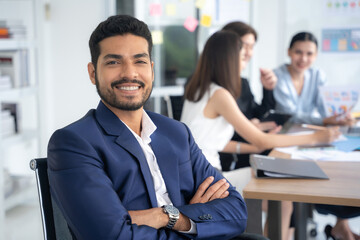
x,y
270,167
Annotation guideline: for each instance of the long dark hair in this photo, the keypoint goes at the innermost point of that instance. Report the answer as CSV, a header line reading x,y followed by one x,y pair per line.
x,y
303,36
219,63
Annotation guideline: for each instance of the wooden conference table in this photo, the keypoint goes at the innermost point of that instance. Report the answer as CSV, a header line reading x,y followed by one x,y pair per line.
x,y
343,188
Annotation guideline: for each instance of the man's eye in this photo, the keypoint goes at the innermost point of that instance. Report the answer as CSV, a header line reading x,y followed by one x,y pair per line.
x,y
111,63
140,61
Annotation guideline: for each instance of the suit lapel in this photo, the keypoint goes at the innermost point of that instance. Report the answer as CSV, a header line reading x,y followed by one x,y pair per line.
x,y
168,165
128,142
113,126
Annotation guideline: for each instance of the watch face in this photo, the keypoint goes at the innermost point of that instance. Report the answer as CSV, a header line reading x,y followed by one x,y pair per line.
x,y
171,209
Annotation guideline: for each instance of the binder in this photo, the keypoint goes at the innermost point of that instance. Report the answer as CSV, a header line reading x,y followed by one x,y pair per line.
x,y
270,167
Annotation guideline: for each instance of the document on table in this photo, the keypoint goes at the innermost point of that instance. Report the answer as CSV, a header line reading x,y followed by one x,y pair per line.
x,y
321,155
343,151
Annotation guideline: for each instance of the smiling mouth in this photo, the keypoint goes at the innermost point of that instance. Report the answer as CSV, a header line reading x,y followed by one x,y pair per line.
x,y
128,88
127,85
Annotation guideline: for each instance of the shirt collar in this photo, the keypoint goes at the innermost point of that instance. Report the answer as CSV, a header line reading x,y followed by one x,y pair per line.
x,y
148,128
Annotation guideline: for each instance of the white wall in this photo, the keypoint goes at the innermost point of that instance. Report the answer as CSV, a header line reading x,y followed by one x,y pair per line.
x,y
66,91
278,20
267,19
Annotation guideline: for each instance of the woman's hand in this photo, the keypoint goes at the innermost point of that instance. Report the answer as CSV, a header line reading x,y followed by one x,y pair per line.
x,y
340,119
327,135
265,126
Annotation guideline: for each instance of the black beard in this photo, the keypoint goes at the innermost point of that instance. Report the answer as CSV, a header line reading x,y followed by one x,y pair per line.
x,y
109,97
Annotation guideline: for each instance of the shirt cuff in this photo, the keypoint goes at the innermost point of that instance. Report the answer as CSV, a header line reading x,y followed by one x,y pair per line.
x,y
192,230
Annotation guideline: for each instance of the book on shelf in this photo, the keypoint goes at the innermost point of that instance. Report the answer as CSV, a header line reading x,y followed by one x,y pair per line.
x,y
15,65
14,29
7,124
9,119
4,32
5,82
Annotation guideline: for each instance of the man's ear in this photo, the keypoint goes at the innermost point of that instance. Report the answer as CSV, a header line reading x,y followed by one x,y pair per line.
x,y
91,71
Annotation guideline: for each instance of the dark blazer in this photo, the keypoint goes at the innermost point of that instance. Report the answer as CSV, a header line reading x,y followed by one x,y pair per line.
x,y
97,172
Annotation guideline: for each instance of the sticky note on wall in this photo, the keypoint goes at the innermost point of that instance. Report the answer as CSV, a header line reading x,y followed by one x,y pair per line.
x,y
170,9
200,3
191,23
157,37
205,21
155,9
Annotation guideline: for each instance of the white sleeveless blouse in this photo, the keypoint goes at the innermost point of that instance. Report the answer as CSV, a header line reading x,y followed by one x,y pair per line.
x,y
211,134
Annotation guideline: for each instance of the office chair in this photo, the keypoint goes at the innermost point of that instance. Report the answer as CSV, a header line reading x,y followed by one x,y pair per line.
x,y
174,106
54,224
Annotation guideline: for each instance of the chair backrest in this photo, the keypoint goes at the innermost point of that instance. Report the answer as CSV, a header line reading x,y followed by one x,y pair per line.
x,y
174,105
54,224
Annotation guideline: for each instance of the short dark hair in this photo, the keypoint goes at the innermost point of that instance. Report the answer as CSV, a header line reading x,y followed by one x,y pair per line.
x,y
303,36
240,28
219,64
117,25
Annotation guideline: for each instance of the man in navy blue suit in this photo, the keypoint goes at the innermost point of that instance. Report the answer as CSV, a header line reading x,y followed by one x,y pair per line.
x,y
124,173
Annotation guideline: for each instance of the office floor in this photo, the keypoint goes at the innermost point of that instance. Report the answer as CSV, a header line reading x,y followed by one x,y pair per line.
x,y
24,222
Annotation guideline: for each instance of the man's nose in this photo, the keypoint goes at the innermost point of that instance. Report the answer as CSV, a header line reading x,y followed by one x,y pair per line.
x,y
129,71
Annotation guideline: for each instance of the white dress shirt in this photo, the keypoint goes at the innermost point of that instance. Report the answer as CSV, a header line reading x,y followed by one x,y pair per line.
x,y
162,196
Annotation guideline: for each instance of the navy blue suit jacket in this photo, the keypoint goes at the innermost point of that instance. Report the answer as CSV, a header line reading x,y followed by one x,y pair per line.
x,y
97,172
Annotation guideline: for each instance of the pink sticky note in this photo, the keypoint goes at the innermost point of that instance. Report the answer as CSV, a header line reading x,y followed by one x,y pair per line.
x,y
191,23
155,9
326,44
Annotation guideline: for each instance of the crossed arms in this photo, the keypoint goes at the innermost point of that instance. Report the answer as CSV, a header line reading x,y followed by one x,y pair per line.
x,y
156,218
103,193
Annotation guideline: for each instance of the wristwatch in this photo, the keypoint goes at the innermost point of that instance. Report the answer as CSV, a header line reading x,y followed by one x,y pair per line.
x,y
173,214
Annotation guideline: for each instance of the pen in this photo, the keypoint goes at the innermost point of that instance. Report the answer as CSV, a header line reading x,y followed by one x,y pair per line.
x,y
315,127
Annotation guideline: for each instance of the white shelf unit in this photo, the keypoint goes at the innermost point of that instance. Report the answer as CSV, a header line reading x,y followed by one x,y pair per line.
x,y
16,150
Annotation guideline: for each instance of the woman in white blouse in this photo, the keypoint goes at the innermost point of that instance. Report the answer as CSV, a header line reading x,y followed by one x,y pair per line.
x,y
211,112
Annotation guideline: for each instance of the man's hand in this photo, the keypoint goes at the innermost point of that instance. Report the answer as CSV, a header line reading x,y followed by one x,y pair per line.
x,y
156,218
153,217
268,78
206,194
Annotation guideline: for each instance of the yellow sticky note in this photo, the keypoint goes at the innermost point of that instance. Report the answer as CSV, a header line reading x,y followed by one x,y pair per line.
x,y
157,37
200,3
205,21
342,44
170,9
